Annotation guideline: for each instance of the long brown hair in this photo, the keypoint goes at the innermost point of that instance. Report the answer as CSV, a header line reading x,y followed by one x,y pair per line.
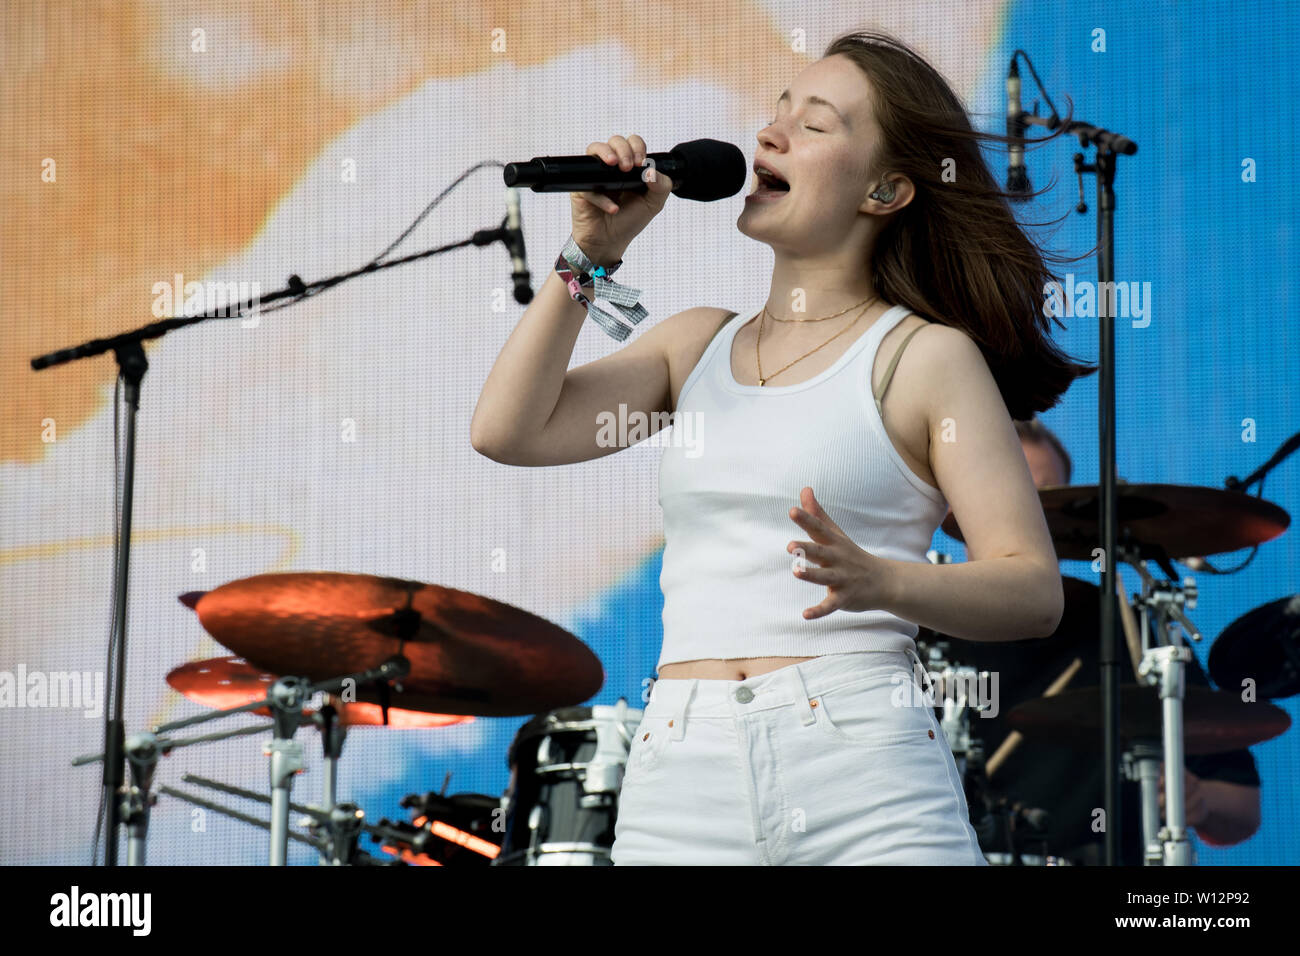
x,y
956,254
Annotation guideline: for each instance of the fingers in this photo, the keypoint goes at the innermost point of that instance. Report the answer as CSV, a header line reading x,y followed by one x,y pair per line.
x,y
811,504
814,526
819,553
821,610
626,154
826,577
655,180
600,201
620,151
813,519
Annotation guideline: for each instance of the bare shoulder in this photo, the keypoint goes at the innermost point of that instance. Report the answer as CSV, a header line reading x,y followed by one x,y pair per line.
x,y
942,370
926,351
939,355
959,382
684,337
695,326
936,342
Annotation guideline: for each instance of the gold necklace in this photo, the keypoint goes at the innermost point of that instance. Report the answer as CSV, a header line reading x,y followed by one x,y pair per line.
x,y
763,380
824,317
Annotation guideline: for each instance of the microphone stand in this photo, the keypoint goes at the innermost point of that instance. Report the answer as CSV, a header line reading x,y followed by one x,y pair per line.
x,y
1109,146
1285,451
128,348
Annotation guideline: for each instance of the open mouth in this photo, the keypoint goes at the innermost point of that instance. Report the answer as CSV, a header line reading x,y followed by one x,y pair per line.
x,y
769,184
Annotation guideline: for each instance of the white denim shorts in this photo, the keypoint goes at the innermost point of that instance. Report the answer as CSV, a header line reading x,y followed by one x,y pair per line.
x,y
836,760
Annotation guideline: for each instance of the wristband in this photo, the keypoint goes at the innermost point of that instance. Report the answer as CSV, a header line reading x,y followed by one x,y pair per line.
x,y
578,271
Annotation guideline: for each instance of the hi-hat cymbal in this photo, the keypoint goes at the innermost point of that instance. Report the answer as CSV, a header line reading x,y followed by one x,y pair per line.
x,y
468,654
1213,721
223,682
1185,520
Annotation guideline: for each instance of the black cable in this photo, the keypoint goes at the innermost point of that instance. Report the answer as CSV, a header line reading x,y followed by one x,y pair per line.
x,y
1034,73
117,472
112,622
429,208
396,242
1249,558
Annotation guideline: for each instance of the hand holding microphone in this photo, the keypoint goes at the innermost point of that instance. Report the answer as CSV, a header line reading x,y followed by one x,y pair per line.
x,y
618,187
701,169
604,225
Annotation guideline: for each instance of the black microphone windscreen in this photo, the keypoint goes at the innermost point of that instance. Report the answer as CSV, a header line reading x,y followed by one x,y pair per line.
x,y
716,170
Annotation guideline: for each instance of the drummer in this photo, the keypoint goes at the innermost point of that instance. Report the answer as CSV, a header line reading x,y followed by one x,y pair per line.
x,y
1222,790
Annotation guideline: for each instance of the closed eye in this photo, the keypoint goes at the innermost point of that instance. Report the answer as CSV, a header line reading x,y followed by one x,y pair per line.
x,y
806,126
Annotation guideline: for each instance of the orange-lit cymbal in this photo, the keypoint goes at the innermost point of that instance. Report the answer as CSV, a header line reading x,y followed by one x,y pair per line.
x,y
222,682
1185,520
469,654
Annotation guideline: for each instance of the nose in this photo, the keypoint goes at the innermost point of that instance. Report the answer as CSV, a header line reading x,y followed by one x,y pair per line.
x,y
770,136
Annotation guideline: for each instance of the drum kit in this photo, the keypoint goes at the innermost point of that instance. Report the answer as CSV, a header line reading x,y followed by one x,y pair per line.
x,y
337,651
1162,720
391,653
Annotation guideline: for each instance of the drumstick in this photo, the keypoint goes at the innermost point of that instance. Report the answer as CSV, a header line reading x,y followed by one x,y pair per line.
x,y
1130,626
1009,745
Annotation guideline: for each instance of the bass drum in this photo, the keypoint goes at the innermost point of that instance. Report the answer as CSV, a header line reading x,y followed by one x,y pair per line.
x,y
566,769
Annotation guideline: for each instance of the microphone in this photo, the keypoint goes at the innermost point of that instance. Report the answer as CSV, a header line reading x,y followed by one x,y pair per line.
x,y
1017,175
702,169
514,240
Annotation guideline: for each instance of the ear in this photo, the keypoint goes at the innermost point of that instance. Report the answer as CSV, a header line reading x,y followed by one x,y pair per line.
x,y
904,191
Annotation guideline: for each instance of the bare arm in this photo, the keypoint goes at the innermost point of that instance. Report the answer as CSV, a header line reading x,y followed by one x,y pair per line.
x,y
533,412
1010,586
1221,812
1232,812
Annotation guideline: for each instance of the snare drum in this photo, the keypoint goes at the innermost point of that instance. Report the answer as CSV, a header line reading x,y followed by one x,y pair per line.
x,y
566,769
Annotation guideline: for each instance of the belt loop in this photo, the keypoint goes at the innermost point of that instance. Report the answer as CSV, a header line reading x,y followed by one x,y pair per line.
x,y
679,715
802,705
926,685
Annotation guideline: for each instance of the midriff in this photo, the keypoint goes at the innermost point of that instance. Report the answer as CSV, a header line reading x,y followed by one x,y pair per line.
x,y
738,668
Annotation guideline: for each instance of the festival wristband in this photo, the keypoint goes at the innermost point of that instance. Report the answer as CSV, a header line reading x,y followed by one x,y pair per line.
x,y
577,271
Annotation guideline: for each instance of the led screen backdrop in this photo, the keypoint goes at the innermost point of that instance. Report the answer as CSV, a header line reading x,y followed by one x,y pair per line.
x,y
148,145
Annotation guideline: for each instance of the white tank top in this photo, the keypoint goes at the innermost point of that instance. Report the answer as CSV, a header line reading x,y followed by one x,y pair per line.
x,y
729,590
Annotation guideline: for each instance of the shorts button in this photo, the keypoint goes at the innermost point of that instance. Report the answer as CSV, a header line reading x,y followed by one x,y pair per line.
x,y
744,694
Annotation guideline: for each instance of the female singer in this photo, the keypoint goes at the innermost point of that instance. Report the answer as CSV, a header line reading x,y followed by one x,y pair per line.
x,y
783,728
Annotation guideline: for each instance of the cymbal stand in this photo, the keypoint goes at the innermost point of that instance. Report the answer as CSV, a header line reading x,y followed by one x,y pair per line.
x,y
286,697
332,735
1164,666
142,753
343,824
1142,764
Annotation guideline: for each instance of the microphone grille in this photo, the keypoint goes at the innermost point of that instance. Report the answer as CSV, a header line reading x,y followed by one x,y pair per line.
x,y
715,170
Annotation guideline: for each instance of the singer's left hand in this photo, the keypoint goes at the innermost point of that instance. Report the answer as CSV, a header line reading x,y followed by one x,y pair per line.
x,y
854,579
